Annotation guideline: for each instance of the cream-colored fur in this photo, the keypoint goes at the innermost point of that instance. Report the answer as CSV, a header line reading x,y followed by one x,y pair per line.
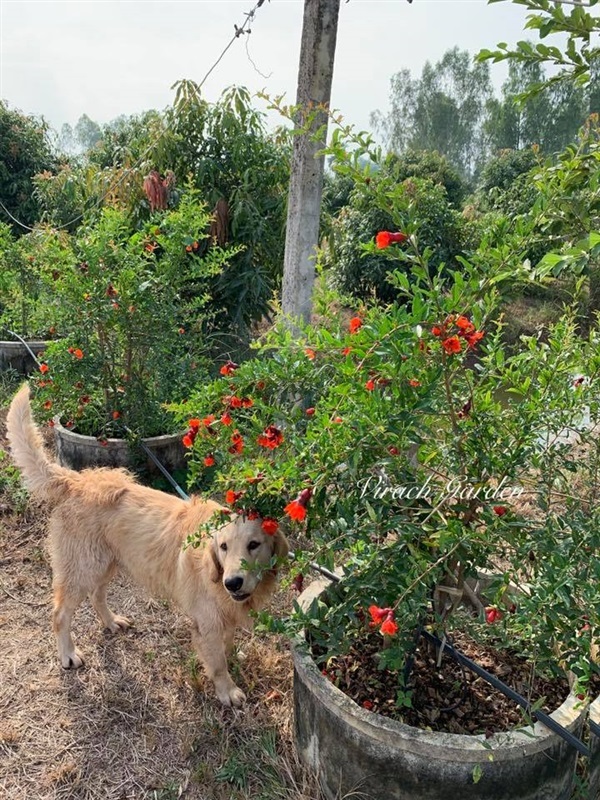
x,y
102,520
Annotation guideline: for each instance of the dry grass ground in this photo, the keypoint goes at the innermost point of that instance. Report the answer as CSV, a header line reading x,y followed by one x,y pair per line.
x,y
139,721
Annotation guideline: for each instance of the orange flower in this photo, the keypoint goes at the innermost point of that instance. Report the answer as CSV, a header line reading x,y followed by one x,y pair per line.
x,y
465,325
295,510
232,497
389,627
452,344
337,420
187,440
207,421
209,461
48,405
346,351
473,338
270,526
44,368
116,414
237,442
414,382
355,324
78,353
229,368
272,437
194,424
226,418
310,353
370,385
378,614
385,239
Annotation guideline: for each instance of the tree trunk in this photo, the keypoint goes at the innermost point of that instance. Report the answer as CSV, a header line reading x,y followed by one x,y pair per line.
x,y
315,75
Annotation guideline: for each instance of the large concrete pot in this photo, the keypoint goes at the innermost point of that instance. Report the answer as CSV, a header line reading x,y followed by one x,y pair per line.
x,y
79,452
355,750
14,355
594,776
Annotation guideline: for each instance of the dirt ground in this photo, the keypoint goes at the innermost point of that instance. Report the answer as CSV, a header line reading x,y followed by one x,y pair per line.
x,y
139,721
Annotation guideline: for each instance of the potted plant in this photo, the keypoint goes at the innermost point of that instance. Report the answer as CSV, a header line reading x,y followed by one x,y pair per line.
x,y
389,443
133,305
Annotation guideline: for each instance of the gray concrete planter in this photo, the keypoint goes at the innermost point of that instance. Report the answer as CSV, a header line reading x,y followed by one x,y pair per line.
x,y
355,750
594,777
14,355
79,452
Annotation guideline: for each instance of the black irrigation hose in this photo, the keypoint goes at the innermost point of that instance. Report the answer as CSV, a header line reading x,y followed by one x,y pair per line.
x,y
540,716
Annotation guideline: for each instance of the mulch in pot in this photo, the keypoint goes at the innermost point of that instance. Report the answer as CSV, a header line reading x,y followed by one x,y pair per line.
x,y
445,698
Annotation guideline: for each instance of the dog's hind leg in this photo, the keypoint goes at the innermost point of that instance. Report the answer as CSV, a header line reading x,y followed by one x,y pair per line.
x,y
65,604
114,622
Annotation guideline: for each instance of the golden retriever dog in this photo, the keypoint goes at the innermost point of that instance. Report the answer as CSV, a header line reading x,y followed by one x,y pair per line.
x,y
102,520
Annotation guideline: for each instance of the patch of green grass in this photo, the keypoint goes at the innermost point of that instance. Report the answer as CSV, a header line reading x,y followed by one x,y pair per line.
x,y
10,380
12,492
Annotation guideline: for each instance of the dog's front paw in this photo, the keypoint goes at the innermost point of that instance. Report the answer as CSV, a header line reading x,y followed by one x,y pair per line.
x,y
232,696
72,660
119,623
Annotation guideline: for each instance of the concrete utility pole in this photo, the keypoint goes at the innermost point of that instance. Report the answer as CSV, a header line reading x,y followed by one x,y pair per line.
x,y
315,74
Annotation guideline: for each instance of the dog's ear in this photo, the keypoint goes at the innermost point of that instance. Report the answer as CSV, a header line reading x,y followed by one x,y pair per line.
x,y
213,567
280,545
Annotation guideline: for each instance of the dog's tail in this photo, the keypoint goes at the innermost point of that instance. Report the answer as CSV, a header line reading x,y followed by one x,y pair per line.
x,y
44,478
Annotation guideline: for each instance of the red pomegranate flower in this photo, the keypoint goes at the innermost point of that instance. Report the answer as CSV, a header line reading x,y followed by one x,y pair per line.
x,y
386,238
347,350
378,614
194,424
228,368
437,330
237,442
209,461
473,338
116,414
414,382
78,353
452,345
270,526
310,412
295,510
310,353
44,368
464,324
272,437
355,324
370,385
500,511
232,497
492,614
207,421
226,418
389,627
188,440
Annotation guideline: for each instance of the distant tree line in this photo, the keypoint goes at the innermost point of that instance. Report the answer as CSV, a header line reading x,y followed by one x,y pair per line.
x,y
451,108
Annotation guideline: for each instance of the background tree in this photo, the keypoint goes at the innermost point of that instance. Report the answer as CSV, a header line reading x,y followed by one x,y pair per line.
x,y
442,110
25,149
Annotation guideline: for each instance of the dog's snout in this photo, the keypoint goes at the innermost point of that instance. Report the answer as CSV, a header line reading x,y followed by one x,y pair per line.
x,y
234,584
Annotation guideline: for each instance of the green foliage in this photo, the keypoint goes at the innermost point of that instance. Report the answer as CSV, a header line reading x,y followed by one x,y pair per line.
x,y
28,268
365,274
225,148
573,63
432,165
132,308
501,172
26,150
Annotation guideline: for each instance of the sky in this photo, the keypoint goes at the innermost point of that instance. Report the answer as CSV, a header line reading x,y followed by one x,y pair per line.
x,y
63,58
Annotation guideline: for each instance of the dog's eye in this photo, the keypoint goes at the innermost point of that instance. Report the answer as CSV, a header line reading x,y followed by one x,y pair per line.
x,y
223,547
253,545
